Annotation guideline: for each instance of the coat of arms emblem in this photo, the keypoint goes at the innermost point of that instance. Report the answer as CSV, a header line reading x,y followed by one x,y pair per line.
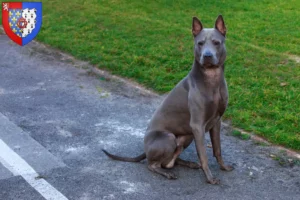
x,y
22,20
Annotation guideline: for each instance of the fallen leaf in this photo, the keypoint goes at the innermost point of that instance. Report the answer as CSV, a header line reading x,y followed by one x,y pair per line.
x,y
283,84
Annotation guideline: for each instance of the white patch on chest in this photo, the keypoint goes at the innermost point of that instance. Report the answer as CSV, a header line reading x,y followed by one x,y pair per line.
x,y
213,72
213,76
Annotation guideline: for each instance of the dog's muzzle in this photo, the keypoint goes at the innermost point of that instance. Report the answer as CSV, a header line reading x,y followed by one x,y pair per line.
x,y
208,58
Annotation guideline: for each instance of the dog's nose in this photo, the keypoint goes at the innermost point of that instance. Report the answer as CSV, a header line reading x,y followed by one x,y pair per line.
x,y
207,54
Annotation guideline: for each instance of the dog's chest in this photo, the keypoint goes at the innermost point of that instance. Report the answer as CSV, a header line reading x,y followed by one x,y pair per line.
x,y
212,76
218,95
213,104
215,107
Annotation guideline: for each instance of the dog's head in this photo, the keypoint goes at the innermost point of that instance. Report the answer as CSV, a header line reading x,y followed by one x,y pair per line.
x,y
209,43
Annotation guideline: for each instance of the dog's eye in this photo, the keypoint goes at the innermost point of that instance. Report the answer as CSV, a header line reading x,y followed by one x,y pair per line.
x,y
215,42
200,43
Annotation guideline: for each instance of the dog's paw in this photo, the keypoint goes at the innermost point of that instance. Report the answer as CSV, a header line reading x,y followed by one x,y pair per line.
x,y
170,175
194,165
214,181
227,168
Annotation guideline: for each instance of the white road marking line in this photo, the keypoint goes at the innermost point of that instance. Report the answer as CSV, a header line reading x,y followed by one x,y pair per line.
x,y
13,162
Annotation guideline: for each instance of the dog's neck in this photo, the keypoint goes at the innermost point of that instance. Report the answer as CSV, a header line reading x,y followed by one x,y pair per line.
x,y
210,76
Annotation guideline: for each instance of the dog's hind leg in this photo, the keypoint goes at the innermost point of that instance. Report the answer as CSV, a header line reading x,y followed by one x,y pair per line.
x,y
183,142
189,164
156,167
160,148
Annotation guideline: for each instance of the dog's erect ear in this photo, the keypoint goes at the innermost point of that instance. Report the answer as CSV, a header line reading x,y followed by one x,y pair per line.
x,y
197,26
220,25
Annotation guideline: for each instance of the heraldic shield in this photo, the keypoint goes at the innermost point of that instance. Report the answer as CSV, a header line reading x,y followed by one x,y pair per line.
x,y
22,20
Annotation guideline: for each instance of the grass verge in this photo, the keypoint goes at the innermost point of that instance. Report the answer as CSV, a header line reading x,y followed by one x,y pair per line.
x,y
238,134
151,42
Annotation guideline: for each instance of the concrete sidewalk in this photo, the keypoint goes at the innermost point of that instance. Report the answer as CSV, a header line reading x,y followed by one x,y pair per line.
x,y
70,114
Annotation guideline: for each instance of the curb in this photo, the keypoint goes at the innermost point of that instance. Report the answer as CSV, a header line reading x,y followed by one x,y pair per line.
x,y
129,83
257,138
101,72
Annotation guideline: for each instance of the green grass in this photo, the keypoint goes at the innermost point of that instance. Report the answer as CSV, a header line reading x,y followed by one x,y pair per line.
x,y
151,42
238,134
258,143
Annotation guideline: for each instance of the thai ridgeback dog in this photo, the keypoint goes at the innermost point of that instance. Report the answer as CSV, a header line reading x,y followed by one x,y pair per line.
x,y
193,107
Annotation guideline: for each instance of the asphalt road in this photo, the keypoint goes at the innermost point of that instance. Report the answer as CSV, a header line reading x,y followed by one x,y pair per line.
x,y
55,117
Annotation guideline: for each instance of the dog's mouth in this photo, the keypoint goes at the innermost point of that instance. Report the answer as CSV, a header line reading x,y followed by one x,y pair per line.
x,y
209,63
210,66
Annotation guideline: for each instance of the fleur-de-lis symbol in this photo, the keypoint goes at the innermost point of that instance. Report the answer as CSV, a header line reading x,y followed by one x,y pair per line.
x,y
5,6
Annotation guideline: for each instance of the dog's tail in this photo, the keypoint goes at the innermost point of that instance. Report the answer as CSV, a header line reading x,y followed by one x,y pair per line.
x,y
126,159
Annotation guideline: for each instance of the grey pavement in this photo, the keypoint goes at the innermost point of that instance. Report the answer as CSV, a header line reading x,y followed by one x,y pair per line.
x,y
57,116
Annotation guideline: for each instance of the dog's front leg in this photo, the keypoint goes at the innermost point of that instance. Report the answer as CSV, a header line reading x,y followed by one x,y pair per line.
x,y
216,144
198,133
198,129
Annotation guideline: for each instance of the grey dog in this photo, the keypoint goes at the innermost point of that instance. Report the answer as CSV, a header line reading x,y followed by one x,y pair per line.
x,y
194,106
